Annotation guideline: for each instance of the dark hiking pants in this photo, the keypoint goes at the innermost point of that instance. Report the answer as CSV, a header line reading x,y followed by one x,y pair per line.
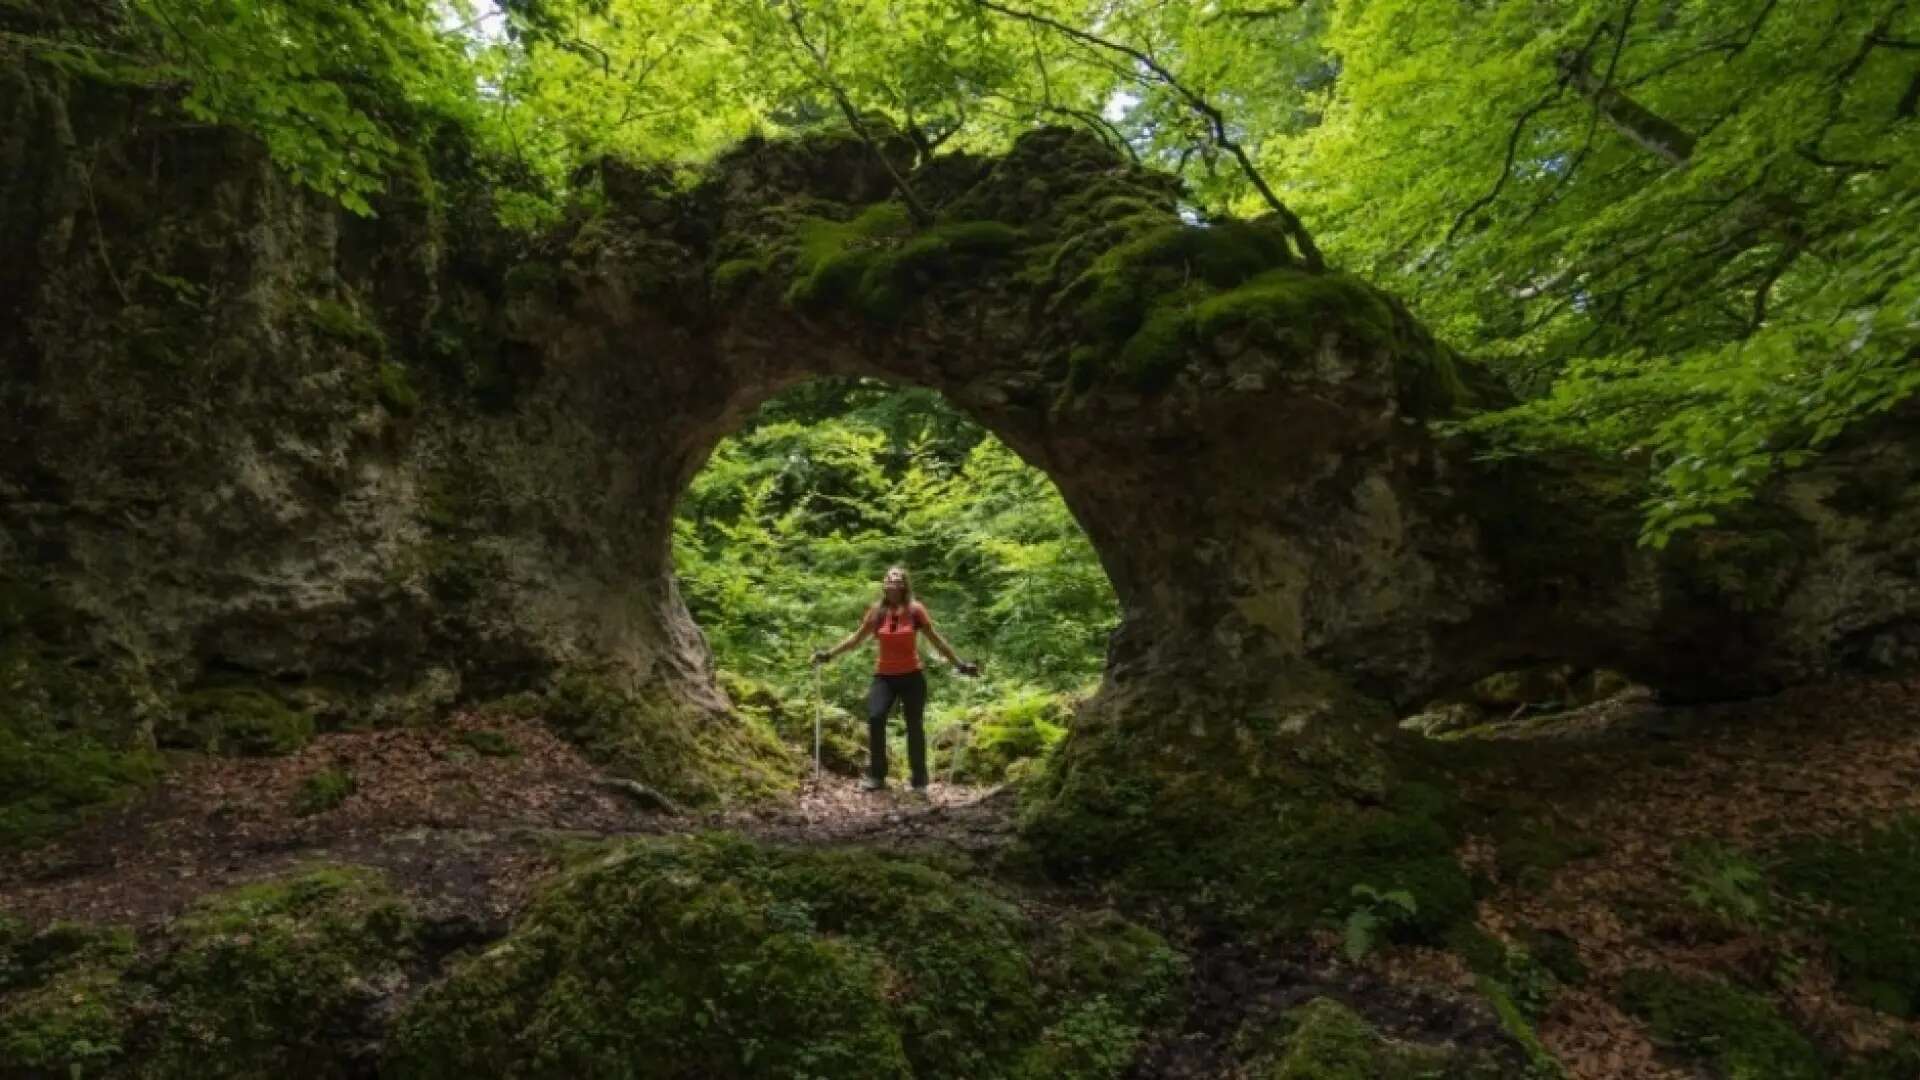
x,y
911,690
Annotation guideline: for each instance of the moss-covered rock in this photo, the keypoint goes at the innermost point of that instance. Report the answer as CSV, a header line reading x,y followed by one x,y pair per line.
x,y
395,390
696,756
1738,1032
322,791
1861,895
878,264
274,977
344,324
1267,821
988,743
71,1014
66,744
236,719
284,977
712,956
1325,1040
843,746
488,743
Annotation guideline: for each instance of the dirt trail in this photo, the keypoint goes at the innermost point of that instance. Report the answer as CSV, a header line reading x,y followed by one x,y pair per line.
x,y
464,833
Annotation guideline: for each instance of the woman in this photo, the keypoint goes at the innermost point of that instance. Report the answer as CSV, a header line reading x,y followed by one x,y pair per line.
x,y
896,621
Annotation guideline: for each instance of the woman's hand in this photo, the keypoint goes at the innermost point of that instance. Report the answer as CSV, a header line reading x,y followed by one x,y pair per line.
x,y
821,656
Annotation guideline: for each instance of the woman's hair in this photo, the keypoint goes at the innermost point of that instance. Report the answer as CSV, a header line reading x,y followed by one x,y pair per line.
x,y
906,593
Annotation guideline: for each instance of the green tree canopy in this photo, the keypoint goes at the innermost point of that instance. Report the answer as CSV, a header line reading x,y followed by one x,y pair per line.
x,y
1684,230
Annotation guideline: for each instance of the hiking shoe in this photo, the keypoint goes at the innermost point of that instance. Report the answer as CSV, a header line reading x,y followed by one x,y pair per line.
x,y
919,791
868,783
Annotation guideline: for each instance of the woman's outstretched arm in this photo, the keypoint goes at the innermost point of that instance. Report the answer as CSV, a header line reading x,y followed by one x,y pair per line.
x,y
946,650
851,641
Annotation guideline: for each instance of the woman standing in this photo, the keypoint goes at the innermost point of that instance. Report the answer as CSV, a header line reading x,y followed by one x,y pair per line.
x,y
896,622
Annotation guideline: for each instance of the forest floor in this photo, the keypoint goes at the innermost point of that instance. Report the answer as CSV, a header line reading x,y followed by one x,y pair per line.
x,y
464,831
468,817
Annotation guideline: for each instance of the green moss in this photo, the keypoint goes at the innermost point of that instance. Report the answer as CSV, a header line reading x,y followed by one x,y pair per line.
x,y
734,275
1161,289
1532,841
1023,728
831,256
1256,827
760,706
67,743
50,778
1512,978
1517,1022
488,743
646,735
711,956
879,266
322,791
1153,355
345,324
262,980
395,391
244,720
76,1022
29,958
1325,1040
1861,895
1299,307
532,277
1740,1033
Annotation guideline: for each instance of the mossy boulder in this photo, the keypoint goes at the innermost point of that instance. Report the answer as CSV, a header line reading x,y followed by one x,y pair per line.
x,y
696,755
1266,822
986,746
242,720
843,746
322,791
65,743
63,1006
714,956
1324,1039
285,977
1739,1033
1860,895
878,263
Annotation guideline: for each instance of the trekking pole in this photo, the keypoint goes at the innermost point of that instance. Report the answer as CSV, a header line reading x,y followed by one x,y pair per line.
x,y
819,706
966,737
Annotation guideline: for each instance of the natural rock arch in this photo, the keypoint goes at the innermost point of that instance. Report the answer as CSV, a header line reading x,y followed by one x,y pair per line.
x,y
1265,488
400,462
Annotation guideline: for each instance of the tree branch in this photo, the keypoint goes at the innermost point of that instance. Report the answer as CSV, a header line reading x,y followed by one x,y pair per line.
x,y
915,208
1506,167
1644,127
1215,120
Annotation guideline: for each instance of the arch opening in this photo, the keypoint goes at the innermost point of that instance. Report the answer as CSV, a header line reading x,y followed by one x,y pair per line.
x,y
779,541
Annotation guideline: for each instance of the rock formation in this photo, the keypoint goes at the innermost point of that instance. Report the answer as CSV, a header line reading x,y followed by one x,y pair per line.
x,y
257,453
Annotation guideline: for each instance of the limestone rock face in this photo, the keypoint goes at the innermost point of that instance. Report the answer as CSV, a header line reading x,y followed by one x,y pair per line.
x,y
398,462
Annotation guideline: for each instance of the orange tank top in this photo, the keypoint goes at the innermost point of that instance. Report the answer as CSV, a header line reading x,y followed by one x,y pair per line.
x,y
897,632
